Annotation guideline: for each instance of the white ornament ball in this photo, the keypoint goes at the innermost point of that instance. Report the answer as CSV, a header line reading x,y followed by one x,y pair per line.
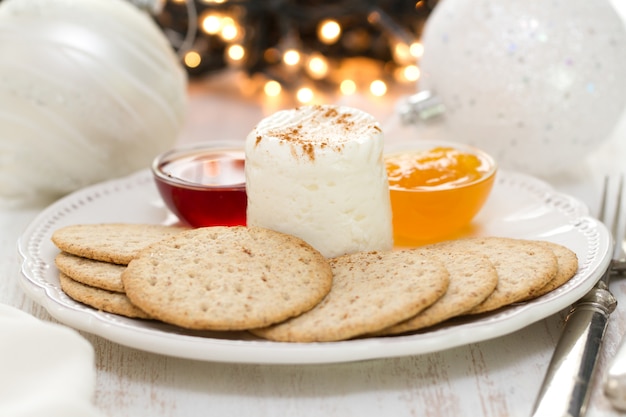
x,y
537,84
89,90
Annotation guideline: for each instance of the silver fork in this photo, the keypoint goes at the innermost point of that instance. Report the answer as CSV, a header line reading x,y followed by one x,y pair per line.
x,y
615,380
566,387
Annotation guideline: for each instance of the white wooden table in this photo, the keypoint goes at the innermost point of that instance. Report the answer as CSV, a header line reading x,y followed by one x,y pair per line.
x,y
495,378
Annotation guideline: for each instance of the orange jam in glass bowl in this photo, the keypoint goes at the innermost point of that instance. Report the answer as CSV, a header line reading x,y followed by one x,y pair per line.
x,y
436,189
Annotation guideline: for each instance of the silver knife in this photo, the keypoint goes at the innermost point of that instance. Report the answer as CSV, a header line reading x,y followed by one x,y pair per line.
x,y
565,390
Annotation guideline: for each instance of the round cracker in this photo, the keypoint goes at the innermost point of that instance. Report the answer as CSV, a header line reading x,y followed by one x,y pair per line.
x,y
567,261
522,266
103,275
110,242
472,279
227,278
109,301
371,291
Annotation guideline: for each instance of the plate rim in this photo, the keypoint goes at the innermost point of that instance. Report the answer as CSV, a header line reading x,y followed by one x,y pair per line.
x,y
152,339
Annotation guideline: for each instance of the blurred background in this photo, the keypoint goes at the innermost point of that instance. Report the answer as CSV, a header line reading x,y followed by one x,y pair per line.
x,y
302,51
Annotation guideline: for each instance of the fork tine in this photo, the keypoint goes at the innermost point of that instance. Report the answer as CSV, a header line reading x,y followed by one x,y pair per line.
x,y
618,209
615,230
603,200
604,212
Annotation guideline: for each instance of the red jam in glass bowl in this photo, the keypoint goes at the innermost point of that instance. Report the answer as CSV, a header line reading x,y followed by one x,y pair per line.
x,y
204,184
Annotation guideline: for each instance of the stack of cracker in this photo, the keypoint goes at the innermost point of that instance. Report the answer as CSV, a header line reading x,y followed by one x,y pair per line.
x,y
93,257
280,288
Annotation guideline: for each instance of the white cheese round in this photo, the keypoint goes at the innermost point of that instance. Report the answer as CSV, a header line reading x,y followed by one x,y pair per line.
x,y
317,172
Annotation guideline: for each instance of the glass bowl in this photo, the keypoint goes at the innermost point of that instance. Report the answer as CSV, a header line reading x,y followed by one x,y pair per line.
x,y
203,184
438,198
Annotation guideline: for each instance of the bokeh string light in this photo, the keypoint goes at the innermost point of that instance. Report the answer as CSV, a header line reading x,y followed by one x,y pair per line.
x,y
302,48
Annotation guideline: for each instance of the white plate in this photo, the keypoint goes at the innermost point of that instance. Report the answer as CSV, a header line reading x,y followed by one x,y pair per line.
x,y
519,206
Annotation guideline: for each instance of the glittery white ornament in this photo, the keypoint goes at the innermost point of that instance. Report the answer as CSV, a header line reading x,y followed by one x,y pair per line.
x,y
539,84
89,90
